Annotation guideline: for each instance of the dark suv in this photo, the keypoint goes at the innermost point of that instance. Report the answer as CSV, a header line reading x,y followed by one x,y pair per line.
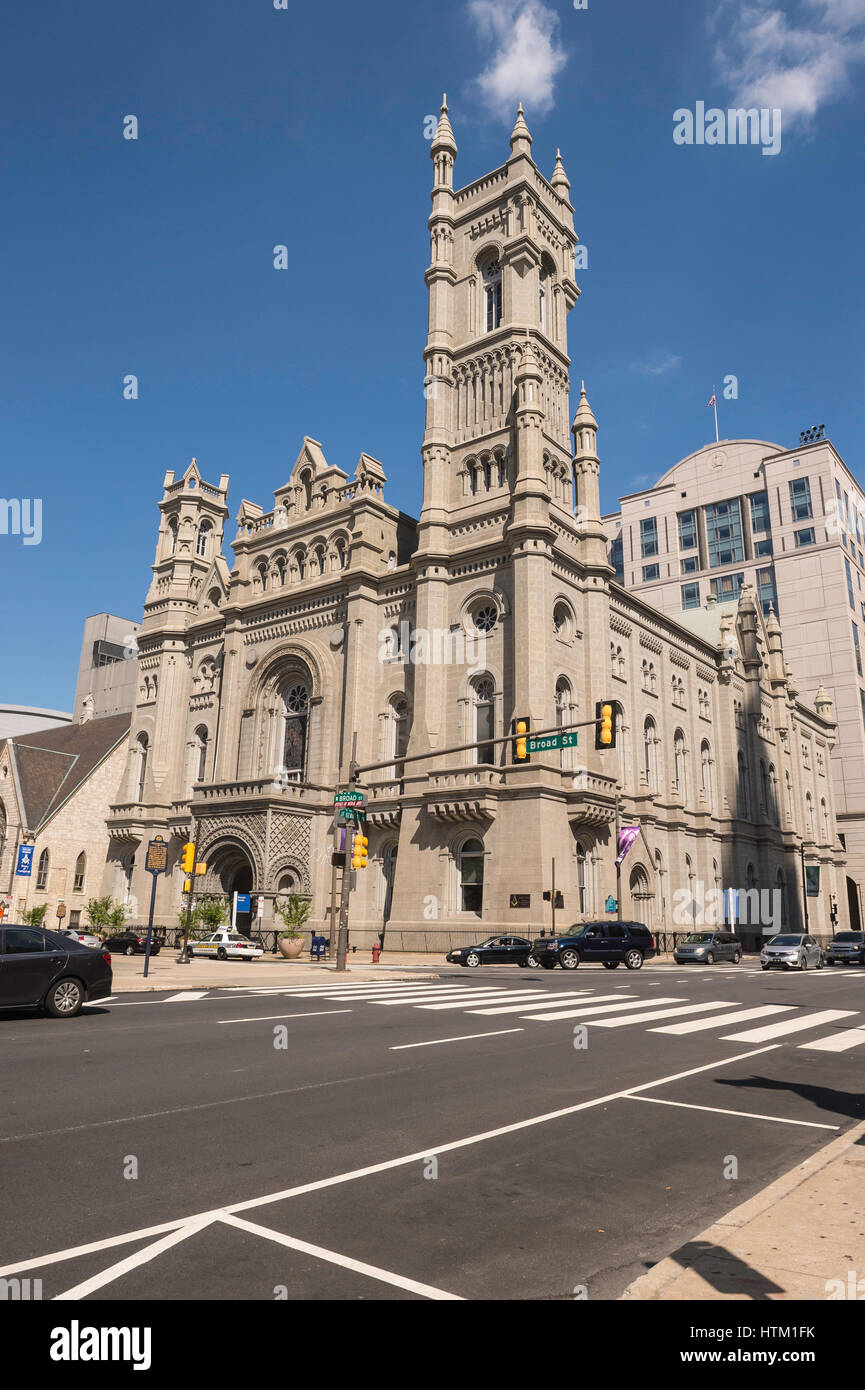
x,y
847,948
610,942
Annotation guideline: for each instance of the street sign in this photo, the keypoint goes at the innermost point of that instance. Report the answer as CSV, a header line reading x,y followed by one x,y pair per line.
x,y
610,904
157,856
349,798
349,814
24,867
537,744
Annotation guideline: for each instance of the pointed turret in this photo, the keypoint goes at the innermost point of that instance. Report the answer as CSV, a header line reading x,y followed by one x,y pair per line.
x,y
443,150
560,180
584,418
521,139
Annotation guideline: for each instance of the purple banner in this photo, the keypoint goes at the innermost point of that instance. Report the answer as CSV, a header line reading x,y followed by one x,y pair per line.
x,y
627,836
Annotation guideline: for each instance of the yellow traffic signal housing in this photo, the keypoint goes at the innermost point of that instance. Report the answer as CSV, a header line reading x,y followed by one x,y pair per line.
x,y
187,885
187,858
521,728
605,727
359,849
201,869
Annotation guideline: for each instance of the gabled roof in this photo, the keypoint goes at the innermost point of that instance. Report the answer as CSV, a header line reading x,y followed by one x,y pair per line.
x,y
51,764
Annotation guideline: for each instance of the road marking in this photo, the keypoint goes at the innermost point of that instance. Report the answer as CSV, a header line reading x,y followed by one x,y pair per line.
x,y
141,1257
566,1003
526,998
468,995
466,1037
744,1114
796,1025
839,1042
185,995
606,1009
386,1166
664,1013
723,1019
268,1018
318,1252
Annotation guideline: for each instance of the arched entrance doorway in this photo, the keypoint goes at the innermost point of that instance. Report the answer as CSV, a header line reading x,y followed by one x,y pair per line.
x,y
230,871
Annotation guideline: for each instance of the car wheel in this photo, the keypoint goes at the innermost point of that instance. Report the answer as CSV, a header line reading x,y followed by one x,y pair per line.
x,y
569,959
634,960
820,963
611,964
64,999
220,955
736,958
710,959
532,963
764,967
129,951
473,960
803,962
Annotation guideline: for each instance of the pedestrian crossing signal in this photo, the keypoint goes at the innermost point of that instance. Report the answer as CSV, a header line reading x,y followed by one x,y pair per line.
x,y
605,726
359,848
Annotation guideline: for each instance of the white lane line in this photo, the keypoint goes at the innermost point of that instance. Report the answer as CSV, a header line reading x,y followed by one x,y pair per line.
x,y
398,1281
838,1042
795,1025
741,1016
141,1257
185,996
566,1003
743,1114
466,1037
386,1166
665,1013
606,1009
268,1018
526,1001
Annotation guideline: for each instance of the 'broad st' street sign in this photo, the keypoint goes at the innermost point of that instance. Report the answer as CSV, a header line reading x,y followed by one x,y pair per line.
x,y
537,744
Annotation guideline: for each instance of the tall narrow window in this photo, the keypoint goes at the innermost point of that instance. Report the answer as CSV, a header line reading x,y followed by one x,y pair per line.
x,y
742,777
172,534
80,869
649,750
471,871
542,298
484,708
203,539
680,764
492,278
401,725
143,749
200,755
706,772
42,871
582,881
296,701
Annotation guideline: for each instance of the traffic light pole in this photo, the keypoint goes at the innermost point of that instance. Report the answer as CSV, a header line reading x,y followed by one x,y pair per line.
x,y
183,958
342,930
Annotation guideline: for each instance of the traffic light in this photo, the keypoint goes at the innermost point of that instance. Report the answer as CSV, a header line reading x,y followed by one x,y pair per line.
x,y
187,858
605,724
522,728
359,847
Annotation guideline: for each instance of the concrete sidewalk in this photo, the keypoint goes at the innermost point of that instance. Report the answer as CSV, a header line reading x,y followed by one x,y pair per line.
x,y
802,1237
267,972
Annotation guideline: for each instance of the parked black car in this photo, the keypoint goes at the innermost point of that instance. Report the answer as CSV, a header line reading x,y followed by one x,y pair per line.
x,y
848,948
41,970
130,943
610,942
496,950
705,947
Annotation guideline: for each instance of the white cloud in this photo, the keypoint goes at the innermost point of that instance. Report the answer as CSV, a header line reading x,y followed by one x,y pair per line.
x,y
798,61
525,56
659,366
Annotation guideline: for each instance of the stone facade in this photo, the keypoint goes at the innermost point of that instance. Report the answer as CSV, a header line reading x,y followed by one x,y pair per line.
x,y
348,630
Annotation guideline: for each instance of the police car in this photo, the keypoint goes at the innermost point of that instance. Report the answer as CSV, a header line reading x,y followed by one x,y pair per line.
x,y
226,945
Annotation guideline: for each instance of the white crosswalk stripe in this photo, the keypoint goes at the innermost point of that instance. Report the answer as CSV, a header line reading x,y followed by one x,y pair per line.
x,y
526,997
741,1016
591,1008
664,1013
837,1042
468,996
791,1025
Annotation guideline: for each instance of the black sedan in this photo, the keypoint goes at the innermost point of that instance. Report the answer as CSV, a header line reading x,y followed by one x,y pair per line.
x,y
130,943
41,970
496,950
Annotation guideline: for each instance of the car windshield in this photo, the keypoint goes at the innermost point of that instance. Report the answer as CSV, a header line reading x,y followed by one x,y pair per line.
x,y
575,929
850,936
785,941
699,936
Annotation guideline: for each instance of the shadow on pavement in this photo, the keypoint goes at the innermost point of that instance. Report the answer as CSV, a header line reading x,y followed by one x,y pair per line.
x,y
849,1103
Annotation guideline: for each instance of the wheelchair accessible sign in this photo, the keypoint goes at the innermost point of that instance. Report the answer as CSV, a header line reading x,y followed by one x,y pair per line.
x,y
24,867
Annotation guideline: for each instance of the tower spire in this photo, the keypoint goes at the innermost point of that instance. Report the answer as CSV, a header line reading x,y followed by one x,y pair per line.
x,y
560,181
521,138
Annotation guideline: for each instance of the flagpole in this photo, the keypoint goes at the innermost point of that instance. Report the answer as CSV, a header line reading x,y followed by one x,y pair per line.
x,y
715,399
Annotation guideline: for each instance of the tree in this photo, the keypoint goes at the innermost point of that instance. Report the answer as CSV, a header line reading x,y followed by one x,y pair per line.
x,y
34,916
105,912
294,912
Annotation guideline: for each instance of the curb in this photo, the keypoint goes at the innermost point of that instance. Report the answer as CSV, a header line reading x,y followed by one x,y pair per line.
x,y
652,1284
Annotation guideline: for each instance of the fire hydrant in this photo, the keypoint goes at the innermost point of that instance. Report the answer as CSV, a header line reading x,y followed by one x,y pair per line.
x,y
376,952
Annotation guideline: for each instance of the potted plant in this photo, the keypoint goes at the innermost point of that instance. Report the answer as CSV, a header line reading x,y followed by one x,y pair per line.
x,y
293,913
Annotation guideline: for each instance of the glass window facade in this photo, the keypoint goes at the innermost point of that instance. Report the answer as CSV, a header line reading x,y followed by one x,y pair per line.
x,y
766,592
763,547
804,537
648,536
849,584
690,564
617,558
800,499
857,649
729,586
687,530
759,512
651,572
724,533
690,596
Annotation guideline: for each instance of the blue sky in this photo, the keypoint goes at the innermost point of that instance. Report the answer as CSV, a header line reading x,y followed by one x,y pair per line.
x,y
305,127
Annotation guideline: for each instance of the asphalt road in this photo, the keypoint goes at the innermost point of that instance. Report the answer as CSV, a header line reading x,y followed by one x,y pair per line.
x,y
438,1139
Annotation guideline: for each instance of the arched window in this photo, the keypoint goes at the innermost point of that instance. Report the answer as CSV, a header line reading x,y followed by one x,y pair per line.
x,y
564,714
483,698
300,563
781,890
824,822
401,725
542,298
471,872
641,893
660,895
200,754
742,791
706,772
289,882
295,715
341,553
80,870
306,484
650,766
764,789
680,764
279,569
809,816
582,881
492,279
788,794
141,771
692,889
172,534
773,794
261,572
319,559
128,874
42,871
203,540
388,864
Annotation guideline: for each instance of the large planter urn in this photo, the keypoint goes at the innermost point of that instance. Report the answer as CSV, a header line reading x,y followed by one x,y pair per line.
x,y
290,946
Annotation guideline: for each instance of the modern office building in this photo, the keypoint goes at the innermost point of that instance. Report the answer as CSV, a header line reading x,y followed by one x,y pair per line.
x,y
108,669
791,523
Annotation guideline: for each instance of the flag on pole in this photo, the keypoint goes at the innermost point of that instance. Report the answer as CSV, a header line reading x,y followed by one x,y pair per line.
x,y
627,836
711,402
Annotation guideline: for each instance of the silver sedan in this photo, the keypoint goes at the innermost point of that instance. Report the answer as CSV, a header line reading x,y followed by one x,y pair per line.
x,y
793,951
